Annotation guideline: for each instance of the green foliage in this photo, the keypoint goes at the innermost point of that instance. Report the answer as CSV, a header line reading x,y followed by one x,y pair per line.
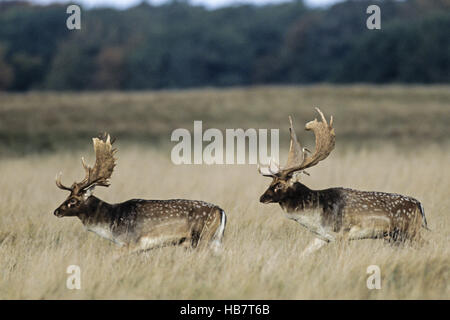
x,y
417,52
30,37
179,45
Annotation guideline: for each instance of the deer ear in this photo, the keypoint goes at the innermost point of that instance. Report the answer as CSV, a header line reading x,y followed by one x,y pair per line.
x,y
88,192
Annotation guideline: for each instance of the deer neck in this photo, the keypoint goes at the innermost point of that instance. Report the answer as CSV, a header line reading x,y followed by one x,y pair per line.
x,y
302,205
96,213
299,198
98,217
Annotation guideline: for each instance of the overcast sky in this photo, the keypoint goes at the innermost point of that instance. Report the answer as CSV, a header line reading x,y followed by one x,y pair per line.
x,y
122,4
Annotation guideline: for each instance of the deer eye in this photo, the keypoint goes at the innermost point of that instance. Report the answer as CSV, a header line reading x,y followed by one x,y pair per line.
x,y
73,201
278,186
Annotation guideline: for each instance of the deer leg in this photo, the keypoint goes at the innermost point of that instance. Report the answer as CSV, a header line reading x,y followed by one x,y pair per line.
x,y
315,245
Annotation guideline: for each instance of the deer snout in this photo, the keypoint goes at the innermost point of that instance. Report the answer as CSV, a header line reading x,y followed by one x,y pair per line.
x,y
264,199
57,213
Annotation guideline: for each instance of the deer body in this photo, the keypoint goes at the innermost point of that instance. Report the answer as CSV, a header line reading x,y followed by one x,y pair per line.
x,y
137,224
338,213
145,224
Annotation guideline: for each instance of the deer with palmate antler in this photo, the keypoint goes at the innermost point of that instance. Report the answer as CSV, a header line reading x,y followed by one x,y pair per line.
x,y
138,225
337,213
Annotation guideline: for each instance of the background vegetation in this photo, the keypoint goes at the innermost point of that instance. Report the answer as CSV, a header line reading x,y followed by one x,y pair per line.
x,y
178,45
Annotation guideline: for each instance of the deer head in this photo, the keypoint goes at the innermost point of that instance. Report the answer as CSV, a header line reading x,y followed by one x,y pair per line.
x,y
98,175
298,159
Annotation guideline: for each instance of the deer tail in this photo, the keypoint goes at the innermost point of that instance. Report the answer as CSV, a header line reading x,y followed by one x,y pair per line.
x,y
424,219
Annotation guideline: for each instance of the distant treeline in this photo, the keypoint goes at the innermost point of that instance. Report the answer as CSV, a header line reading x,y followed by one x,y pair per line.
x,y
178,45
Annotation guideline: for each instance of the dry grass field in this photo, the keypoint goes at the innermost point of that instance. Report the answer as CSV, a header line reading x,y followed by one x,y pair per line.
x,y
393,139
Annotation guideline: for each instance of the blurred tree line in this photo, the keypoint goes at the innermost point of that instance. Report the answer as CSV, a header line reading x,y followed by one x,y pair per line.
x,y
179,45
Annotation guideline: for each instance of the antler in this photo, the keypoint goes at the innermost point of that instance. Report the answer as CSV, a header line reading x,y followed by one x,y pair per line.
x,y
297,158
104,163
296,153
325,141
103,168
59,184
267,171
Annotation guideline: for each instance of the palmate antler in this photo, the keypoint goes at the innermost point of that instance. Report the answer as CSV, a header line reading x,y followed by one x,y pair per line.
x,y
102,170
297,158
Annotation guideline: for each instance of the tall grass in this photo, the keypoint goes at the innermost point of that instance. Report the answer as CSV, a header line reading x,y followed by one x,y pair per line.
x,y
261,248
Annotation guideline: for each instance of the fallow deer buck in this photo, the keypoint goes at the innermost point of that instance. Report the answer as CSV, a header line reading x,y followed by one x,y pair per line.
x,y
138,225
337,213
